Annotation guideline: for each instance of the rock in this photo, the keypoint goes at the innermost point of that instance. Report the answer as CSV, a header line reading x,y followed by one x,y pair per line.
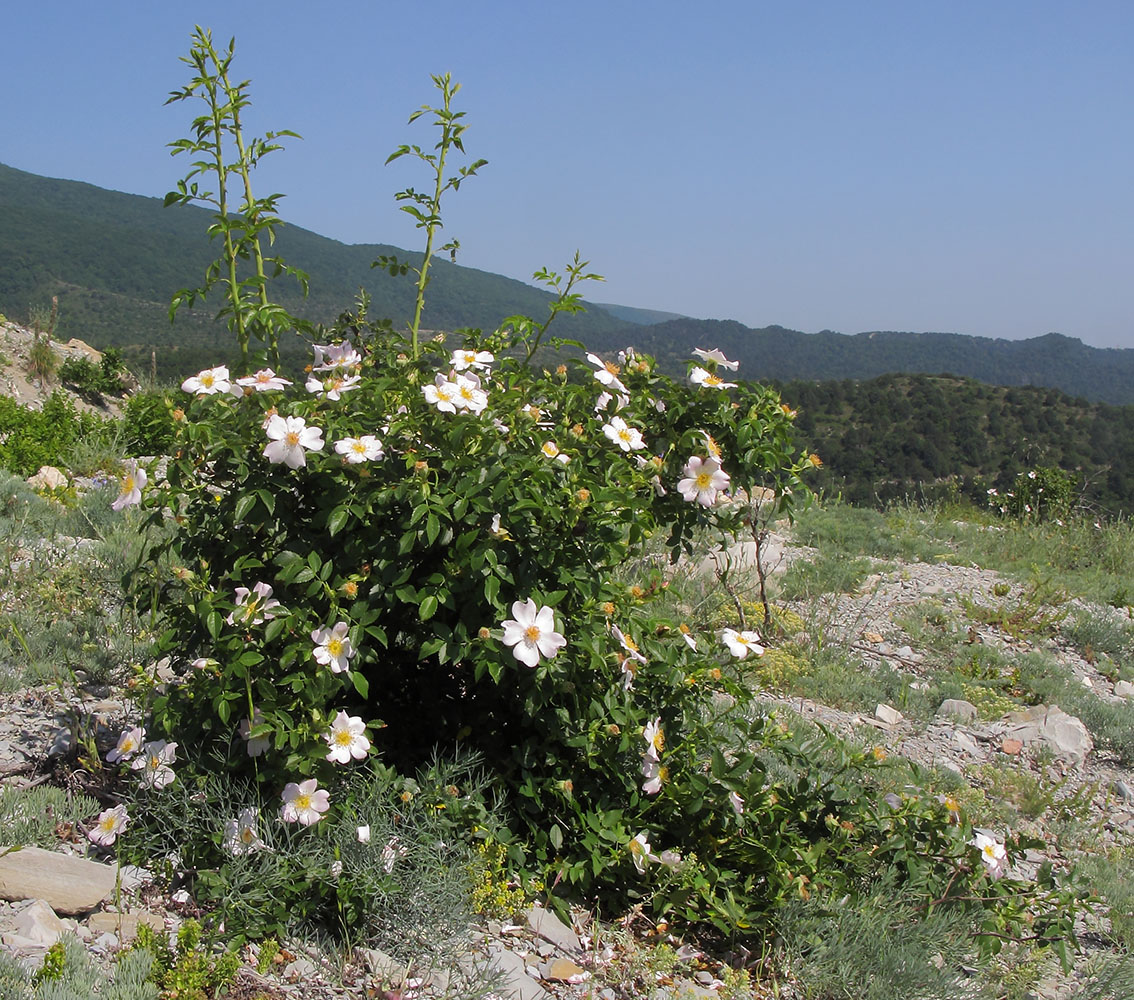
x,y
549,927
124,926
871,637
891,716
563,970
381,964
67,884
517,983
1124,689
1010,746
1065,734
1123,790
904,653
299,968
35,926
966,743
48,478
958,709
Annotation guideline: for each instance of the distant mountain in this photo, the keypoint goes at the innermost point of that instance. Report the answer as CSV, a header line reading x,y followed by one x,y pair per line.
x,y
116,259
642,317
1103,374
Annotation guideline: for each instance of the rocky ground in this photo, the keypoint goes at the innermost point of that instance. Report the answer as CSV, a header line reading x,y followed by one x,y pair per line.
x,y
47,893
76,888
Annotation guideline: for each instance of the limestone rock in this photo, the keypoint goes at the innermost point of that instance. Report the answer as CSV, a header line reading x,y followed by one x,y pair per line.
x,y
123,925
1063,733
966,711
35,926
884,713
549,927
67,884
48,478
1124,689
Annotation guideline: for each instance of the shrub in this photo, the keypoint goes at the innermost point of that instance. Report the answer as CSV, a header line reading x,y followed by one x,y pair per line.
x,y
432,538
31,438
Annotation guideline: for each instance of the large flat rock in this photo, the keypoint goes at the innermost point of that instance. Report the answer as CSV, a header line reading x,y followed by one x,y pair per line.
x,y
66,883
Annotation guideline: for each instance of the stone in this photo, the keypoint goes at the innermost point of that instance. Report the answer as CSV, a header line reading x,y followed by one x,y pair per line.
x,y
1124,689
872,637
904,653
966,711
35,926
966,743
298,969
549,927
1063,733
563,970
380,964
1123,790
1010,746
124,926
48,478
517,984
68,884
888,715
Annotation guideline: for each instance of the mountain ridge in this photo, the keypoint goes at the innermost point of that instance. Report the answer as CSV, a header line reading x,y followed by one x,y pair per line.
x,y
115,259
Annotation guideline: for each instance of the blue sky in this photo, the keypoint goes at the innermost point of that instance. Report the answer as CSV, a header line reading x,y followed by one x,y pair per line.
x,y
962,167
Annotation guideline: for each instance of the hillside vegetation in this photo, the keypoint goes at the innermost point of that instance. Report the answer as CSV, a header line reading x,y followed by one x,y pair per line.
x,y
116,259
772,352
901,435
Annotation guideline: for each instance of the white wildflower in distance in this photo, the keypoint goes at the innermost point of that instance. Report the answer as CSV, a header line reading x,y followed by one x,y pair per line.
x,y
393,850
289,440
687,635
347,739
717,357
362,833
442,394
653,772
737,804
499,533
332,647
240,836
628,644
129,743
153,762
604,401
253,606
464,359
335,357
110,823
698,376
531,633
361,449
607,374
265,380
209,382
655,738
992,853
740,644
641,853
551,450
130,486
704,480
304,802
254,745
333,386
626,437
470,396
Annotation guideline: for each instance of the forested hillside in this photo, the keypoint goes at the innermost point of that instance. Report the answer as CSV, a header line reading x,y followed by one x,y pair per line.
x,y
900,435
115,260
776,353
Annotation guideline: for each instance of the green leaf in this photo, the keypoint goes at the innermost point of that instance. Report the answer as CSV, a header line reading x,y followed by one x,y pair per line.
x,y
361,684
555,835
428,608
243,506
268,500
337,520
214,623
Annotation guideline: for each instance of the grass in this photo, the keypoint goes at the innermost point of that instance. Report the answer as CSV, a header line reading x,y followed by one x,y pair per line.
x,y
34,817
